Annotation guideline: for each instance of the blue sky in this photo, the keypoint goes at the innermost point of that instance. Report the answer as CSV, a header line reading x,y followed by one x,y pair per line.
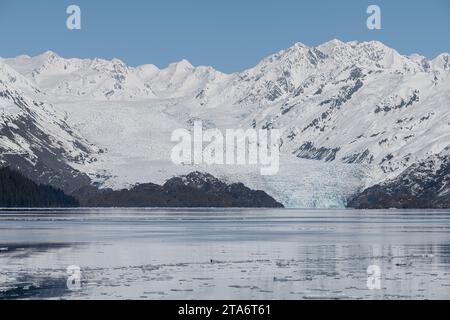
x,y
229,35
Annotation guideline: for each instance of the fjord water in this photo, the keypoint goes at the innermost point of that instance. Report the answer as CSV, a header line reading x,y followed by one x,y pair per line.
x,y
225,253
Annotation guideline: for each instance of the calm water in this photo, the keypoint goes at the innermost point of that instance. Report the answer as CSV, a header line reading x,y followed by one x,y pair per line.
x,y
225,254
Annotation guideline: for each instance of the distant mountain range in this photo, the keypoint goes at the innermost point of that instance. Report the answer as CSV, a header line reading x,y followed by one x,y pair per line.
x,y
362,124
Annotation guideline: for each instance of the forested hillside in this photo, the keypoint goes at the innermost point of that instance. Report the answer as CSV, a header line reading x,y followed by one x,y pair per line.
x,y
19,191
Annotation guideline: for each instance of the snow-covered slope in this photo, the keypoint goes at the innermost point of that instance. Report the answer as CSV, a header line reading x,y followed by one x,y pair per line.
x,y
100,79
359,110
425,184
35,138
96,79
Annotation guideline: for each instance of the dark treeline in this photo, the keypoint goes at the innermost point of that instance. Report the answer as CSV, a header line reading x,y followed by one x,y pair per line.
x,y
20,192
194,190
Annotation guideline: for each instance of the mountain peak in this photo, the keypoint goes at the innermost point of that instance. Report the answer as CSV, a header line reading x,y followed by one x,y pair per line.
x,y
147,70
49,55
117,61
148,67
330,46
333,43
23,57
184,64
299,45
442,61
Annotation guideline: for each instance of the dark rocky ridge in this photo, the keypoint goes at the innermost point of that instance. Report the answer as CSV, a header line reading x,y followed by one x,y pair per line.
x,y
194,190
424,185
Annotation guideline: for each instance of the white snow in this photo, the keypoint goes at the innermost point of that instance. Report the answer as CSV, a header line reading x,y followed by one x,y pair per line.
x,y
362,99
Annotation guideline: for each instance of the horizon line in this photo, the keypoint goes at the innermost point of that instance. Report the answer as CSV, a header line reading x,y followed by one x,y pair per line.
x,y
210,66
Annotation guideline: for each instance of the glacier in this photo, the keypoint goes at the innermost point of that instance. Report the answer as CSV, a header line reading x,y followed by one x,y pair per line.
x,y
352,114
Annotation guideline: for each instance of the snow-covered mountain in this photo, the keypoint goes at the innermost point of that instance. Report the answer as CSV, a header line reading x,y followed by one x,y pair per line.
x,y
100,79
92,79
425,184
35,138
352,114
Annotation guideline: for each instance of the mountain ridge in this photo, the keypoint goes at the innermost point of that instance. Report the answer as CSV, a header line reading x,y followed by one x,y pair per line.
x,y
345,105
196,189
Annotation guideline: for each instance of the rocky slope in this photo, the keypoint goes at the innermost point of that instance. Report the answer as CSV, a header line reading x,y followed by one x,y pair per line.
x,y
193,190
35,138
425,184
